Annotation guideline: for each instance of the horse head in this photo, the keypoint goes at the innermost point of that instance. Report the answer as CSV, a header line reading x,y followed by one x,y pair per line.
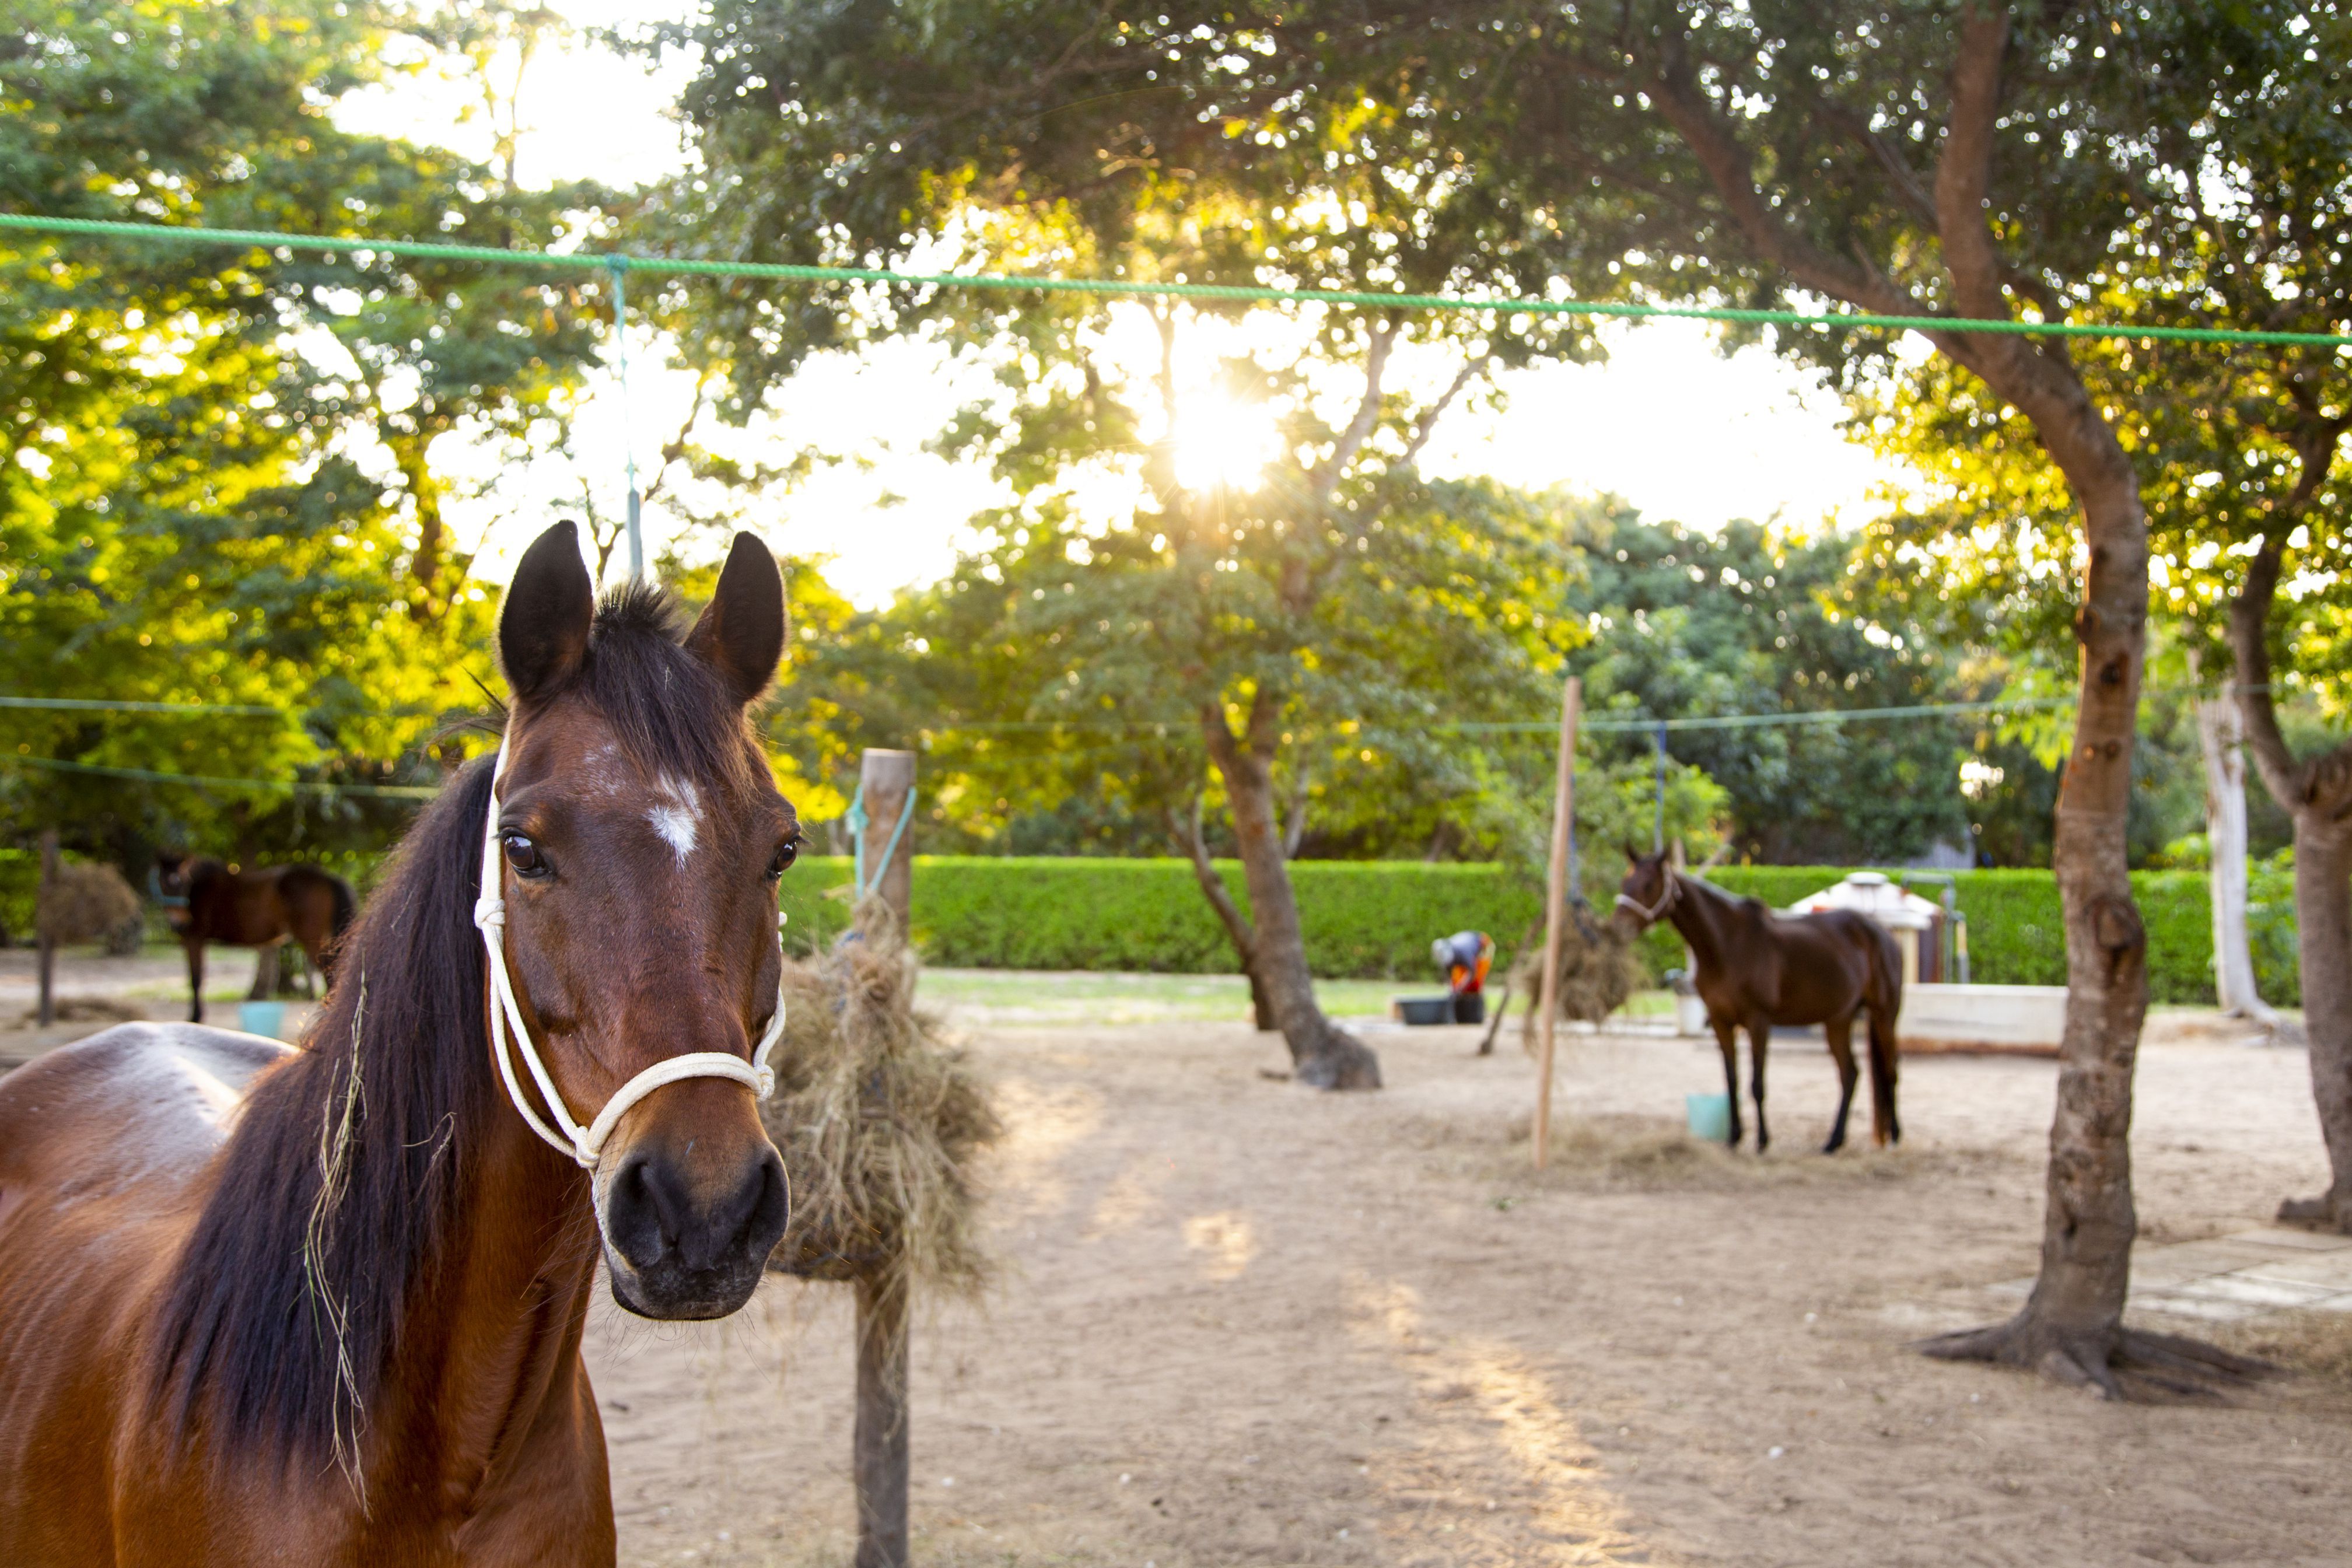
x,y
638,838
1648,892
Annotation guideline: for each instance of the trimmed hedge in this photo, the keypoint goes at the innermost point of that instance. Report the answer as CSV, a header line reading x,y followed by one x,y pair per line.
x,y
1365,918
1376,918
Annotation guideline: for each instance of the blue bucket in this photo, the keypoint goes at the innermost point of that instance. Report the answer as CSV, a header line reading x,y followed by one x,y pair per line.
x,y
1710,1116
261,1018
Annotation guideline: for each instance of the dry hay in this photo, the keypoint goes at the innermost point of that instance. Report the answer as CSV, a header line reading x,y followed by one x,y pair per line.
x,y
1597,970
1617,1152
82,903
2316,1343
877,1119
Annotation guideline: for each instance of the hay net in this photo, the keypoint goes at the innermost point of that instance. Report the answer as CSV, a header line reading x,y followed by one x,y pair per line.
x,y
81,903
879,1118
1598,969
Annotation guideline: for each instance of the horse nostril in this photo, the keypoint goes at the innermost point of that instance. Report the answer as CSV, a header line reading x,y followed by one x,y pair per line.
x,y
644,1211
771,1207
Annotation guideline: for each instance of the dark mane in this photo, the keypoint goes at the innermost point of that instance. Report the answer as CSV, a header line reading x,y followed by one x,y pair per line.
x,y
285,1314
261,1306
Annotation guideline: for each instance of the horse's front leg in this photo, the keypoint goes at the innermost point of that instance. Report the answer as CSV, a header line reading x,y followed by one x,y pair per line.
x,y
1760,1034
1727,1036
1841,1037
196,978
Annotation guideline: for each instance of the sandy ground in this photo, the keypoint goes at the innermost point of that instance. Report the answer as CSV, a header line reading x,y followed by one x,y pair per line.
x,y
1242,1322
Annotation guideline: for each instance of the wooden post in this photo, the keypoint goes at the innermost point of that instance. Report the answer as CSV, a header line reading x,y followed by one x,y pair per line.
x,y
45,930
1563,805
878,1448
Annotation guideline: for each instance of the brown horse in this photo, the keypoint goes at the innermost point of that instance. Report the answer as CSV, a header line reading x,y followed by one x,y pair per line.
x,y
209,901
1758,968
324,1305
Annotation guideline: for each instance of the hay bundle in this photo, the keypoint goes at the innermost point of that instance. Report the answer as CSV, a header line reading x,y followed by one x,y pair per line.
x,y
877,1119
83,903
1597,970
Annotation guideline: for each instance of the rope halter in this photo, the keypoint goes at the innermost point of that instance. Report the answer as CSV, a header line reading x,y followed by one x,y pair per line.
x,y
584,1144
1650,912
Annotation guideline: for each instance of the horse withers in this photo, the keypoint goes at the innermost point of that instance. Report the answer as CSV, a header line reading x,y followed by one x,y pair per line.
x,y
325,1305
1756,968
210,901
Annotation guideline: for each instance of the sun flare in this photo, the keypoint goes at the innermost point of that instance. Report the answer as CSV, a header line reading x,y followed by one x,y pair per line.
x,y
1222,443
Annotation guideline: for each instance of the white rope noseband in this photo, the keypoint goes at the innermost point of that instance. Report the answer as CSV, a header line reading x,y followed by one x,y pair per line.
x,y
584,1144
1650,912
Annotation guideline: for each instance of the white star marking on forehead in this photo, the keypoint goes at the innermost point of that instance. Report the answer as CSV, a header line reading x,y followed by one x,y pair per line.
x,y
679,818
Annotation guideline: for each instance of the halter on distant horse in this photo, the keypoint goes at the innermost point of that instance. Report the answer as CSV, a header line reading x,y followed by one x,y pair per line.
x,y
584,1144
1649,913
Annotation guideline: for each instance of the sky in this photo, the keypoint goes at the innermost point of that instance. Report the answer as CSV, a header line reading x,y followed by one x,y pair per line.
x,y
1665,422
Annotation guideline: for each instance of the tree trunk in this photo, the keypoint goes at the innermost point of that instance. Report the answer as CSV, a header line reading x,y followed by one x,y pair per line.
x,y
1322,1055
2323,914
1229,915
265,973
45,934
2317,794
2219,738
2072,1327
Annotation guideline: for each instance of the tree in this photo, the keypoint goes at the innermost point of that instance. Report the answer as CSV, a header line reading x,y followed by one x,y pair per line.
x,y
1221,607
217,483
2241,220
1949,160
1689,626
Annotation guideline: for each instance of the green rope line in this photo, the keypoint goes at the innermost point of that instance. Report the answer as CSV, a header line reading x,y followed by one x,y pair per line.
x,y
95,705
619,264
148,775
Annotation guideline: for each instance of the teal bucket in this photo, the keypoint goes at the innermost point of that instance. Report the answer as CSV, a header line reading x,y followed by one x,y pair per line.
x,y
1710,1116
261,1018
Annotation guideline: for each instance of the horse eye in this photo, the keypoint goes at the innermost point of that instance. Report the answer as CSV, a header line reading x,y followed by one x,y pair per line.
x,y
525,857
786,853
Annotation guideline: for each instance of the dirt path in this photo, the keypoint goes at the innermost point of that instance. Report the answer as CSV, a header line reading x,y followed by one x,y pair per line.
x,y
1244,1323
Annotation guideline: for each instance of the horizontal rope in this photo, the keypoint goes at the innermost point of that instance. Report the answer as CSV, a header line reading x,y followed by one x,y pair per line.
x,y
616,261
207,781
98,705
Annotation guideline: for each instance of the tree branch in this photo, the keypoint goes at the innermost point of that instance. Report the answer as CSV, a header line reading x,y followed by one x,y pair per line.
x,y
1327,475
2250,615
1427,424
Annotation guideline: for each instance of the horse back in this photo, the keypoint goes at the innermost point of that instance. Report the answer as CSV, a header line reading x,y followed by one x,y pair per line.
x,y
106,1146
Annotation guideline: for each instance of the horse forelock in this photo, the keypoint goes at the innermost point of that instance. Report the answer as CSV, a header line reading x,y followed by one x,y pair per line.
x,y
340,1184
667,708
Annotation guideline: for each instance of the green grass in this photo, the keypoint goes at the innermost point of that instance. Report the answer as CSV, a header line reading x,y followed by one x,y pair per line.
x,y
1103,1001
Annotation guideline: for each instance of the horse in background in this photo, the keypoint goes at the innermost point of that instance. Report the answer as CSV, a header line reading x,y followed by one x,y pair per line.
x,y
209,901
1755,967
270,1305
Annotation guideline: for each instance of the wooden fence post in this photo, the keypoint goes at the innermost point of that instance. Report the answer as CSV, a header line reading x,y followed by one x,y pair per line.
x,y
45,930
1563,805
879,1454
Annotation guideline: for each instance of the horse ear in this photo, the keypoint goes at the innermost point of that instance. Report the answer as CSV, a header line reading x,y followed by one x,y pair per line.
x,y
741,632
551,604
1632,856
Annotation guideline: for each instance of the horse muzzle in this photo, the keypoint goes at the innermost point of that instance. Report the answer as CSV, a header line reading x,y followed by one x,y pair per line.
x,y
683,1240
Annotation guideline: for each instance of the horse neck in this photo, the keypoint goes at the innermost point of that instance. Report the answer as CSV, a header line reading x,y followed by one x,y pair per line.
x,y
1700,915
490,1346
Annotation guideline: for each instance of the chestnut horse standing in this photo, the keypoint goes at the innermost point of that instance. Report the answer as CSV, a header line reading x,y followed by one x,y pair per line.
x,y
324,1305
213,902
1758,968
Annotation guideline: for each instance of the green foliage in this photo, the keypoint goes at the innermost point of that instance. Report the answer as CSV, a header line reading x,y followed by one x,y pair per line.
x,y
216,474
1376,920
